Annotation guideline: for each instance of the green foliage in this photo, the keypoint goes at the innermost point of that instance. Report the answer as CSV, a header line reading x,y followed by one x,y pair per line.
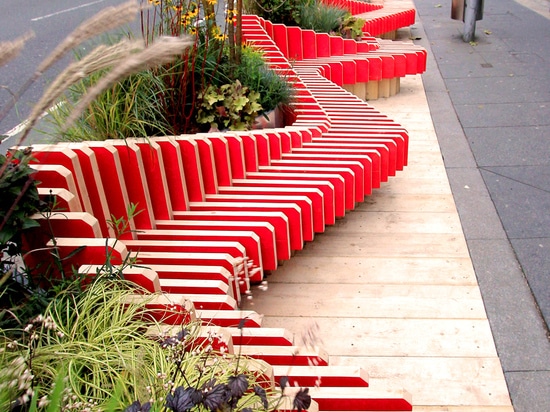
x,y
98,350
96,337
18,202
352,27
25,290
320,17
168,100
312,15
230,106
132,107
273,89
197,68
276,11
19,198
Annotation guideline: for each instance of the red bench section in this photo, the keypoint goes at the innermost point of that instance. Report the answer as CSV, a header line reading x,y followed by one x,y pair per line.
x,y
382,18
369,68
217,211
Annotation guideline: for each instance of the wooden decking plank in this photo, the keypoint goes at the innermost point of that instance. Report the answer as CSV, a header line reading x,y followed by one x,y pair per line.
x,y
403,291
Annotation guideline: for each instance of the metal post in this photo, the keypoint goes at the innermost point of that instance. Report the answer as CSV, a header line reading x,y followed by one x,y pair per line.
x,y
470,17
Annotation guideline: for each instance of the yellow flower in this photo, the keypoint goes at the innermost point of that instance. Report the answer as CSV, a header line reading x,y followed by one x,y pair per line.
x,y
185,20
192,30
211,2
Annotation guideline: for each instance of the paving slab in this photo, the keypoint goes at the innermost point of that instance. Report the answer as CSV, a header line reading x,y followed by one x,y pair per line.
x,y
403,291
521,341
533,253
466,384
376,270
505,146
499,88
521,383
523,208
502,114
537,177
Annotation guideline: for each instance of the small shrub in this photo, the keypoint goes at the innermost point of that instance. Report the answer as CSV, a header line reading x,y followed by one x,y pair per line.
x,y
276,11
19,198
352,27
273,89
231,106
99,351
129,108
18,202
320,17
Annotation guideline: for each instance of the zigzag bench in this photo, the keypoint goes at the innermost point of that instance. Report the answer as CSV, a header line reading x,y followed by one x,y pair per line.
x,y
382,19
219,210
370,68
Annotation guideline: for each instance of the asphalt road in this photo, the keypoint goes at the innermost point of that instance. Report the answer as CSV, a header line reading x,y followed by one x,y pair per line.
x,y
51,21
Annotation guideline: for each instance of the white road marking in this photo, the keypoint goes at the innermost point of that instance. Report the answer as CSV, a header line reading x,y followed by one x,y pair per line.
x,y
67,10
21,126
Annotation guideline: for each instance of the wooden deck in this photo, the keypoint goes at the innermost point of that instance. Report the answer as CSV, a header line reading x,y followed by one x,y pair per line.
x,y
391,287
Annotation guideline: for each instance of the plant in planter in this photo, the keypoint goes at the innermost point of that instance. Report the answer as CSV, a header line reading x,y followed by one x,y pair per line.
x,y
18,202
314,15
169,99
320,17
352,27
102,350
230,106
88,349
253,72
131,107
277,11
275,92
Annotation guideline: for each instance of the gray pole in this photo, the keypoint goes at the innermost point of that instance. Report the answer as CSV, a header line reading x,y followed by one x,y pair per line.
x,y
470,15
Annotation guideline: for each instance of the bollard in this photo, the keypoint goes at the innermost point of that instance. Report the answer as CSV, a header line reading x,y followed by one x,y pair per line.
x,y
469,11
470,16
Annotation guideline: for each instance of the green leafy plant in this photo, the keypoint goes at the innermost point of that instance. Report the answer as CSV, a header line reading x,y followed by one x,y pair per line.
x,y
194,70
19,200
253,72
352,27
276,11
168,99
18,203
230,106
96,337
321,17
113,355
316,15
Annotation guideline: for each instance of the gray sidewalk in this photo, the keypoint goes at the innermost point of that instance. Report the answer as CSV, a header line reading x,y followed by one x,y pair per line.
x,y
490,104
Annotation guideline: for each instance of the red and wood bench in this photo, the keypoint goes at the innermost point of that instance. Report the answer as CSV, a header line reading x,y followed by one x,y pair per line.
x,y
370,68
219,210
